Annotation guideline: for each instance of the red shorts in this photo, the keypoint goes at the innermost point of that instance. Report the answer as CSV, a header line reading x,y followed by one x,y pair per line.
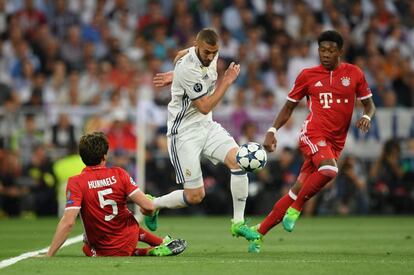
x,y
126,249
315,150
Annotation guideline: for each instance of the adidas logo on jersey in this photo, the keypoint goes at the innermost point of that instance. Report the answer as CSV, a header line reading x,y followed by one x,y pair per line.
x,y
318,84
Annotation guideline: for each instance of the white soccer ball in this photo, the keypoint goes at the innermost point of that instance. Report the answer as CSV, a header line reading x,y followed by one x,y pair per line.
x,y
251,157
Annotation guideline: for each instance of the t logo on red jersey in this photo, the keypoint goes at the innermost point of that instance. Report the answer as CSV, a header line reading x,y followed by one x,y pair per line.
x,y
326,99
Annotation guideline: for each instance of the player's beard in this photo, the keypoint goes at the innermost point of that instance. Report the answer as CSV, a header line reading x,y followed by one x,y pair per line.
x,y
205,63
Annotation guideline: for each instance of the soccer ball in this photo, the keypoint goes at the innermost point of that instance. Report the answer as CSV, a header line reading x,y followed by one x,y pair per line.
x,y
251,157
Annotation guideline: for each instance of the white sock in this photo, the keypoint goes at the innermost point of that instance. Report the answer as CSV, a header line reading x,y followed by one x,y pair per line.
x,y
239,186
172,200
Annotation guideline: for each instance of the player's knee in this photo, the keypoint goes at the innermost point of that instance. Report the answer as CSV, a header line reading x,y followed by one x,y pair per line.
x,y
329,171
195,198
230,160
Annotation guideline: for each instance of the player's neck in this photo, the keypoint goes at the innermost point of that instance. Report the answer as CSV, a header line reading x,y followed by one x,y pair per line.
x,y
333,67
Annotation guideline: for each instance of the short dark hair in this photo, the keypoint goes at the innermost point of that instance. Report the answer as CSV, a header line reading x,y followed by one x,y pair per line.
x,y
93,147
209,36
332,36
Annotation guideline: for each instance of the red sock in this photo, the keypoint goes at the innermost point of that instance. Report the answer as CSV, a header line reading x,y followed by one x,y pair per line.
x,y
149,238
142,251
312,185
274,217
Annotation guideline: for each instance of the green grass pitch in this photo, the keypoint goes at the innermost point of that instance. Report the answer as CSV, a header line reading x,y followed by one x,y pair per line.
x,y
357,245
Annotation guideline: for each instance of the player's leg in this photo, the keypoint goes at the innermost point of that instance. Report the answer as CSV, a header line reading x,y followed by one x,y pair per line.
x,y
158,246
148,237
280,207
239,185
324,159
221,147
193,193
184,154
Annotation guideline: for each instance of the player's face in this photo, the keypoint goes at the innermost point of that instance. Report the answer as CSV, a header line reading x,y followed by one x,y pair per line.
x,y
206,52
329,54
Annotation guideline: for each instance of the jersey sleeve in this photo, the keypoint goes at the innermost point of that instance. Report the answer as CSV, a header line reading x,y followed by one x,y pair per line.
x,y
74,195
362,89
128,182
300,88
192,83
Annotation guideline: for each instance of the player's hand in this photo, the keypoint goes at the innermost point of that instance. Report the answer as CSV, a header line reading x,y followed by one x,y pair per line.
x,y
270,142
363,124
163,79
232,72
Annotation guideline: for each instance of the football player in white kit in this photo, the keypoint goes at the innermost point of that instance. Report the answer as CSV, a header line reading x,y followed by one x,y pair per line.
x,y
193,134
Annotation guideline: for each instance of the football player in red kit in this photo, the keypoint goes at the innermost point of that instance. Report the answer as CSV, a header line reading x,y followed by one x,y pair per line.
x,y
330,90
100,195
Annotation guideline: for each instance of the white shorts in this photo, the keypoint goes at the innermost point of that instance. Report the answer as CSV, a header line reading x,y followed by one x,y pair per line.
x,y
203,139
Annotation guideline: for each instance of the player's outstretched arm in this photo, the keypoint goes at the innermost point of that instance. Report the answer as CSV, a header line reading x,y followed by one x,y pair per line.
x,y
63,230
270,141
146,205
207,103
163,79
364,123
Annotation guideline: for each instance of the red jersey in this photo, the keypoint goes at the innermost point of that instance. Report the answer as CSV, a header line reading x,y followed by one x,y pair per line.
x,y
101,194
331,99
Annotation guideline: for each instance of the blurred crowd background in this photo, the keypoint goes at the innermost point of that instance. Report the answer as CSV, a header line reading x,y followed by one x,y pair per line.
x,y
70,67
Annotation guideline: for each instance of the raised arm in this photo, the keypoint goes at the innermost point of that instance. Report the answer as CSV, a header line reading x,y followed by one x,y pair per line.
x,y
364,123
207,103
270,141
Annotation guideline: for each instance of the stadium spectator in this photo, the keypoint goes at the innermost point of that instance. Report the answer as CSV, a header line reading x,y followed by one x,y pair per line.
x,y
11,193
61,19
62,135
24,140
42,182
351,188
30,18
72,48
390,194
120,133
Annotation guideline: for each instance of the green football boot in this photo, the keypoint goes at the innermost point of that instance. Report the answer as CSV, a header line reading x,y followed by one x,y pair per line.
x,y
169,247
241,229
255,245
290,219
151,221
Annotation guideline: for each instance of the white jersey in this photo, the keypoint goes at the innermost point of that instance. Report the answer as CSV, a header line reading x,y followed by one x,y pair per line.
x,y
191,81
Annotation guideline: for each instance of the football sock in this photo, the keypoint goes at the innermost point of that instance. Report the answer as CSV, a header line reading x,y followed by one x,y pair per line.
x,y
277,213
142,251
149,238
313,184
172,200
239,186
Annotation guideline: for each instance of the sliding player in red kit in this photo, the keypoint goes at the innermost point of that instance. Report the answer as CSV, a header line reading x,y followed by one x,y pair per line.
x,y
100,195
330,90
